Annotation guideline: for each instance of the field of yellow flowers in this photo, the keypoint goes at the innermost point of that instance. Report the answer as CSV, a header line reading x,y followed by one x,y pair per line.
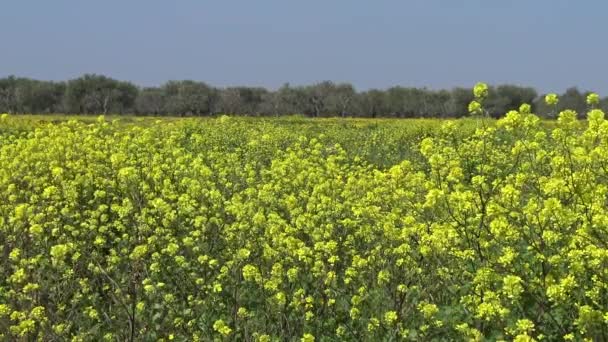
x,y
290,229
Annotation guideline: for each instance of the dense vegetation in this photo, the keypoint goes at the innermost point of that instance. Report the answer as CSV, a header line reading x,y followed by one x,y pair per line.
x,y
288,229
96,94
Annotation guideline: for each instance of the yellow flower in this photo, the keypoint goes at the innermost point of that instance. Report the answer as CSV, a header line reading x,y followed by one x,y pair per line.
x,y
4,310
480,91
58,252
221,327
14,254
593,99
242,312
512,286
525,108
251,273
139,252
308,338
551,99
390,317
474,107
428,310
373,324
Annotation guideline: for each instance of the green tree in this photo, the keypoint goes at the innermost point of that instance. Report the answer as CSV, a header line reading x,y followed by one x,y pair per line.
x,y
98,94
151,101
190,98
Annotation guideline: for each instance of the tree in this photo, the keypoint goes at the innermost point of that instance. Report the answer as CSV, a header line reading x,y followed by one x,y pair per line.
x,y
575,100
98,94
189,98
407,102
317,97
339,99
8,96
230,101
251,99
271,103
24,95
151,101
437,103
293,100
604,104
504,98
459,102
395,101
372,103
416,102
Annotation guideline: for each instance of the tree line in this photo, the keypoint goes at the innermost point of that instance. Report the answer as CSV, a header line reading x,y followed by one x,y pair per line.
x,y
98,94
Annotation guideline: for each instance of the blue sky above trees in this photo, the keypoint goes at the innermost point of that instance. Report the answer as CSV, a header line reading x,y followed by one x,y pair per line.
x,y
550,45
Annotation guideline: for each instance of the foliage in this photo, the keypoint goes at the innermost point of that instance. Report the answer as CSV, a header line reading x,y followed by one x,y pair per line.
x,y
98,94
289,229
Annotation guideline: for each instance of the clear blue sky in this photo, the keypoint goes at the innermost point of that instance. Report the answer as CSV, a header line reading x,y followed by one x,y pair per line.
x,y
548,44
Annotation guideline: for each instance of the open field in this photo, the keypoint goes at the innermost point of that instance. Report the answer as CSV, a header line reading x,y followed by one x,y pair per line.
x,y
263,229
382,142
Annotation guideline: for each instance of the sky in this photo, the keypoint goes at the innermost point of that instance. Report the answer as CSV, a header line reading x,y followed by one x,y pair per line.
x,y
547,44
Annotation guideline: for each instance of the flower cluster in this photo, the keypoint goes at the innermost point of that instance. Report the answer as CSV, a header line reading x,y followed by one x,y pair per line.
x,y
551,99
593,99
